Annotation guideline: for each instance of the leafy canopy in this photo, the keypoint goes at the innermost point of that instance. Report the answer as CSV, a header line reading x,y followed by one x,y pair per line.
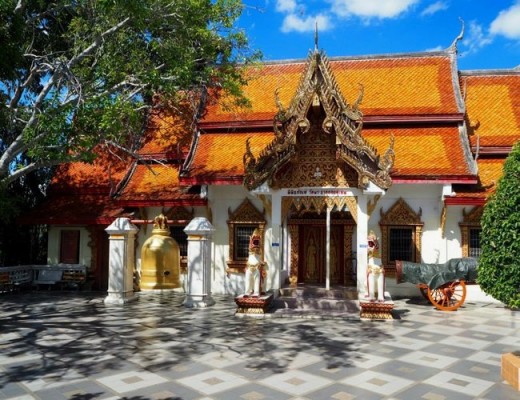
x,y
499,262
78,73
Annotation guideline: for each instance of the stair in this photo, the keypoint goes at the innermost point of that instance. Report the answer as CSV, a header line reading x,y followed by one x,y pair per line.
x,y
317,302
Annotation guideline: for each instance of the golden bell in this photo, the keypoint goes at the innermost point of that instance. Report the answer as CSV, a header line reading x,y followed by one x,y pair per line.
x,y
160,258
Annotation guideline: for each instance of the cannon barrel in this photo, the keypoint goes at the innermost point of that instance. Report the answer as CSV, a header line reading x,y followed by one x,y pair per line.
x,y
435,275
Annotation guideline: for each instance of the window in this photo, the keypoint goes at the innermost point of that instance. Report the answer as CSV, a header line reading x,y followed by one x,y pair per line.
x,y
474,242
69,246
177,232
241,224
470,232
241,247
400,244
401,232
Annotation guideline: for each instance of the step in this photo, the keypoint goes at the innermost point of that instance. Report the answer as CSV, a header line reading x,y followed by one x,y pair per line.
x,y
349,293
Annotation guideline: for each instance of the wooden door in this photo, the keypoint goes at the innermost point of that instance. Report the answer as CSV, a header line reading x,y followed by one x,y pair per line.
x,y
312,257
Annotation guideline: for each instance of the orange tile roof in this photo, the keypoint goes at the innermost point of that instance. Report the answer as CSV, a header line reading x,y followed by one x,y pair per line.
x,y
104,173
490,170
427,151
392,86
154,183
220,155
168,132
493,108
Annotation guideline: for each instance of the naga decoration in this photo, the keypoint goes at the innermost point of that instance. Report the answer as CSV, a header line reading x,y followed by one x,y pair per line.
x,y
318,89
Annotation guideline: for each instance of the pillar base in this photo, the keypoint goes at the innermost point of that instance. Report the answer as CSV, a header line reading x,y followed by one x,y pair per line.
x,y
198,301
120,298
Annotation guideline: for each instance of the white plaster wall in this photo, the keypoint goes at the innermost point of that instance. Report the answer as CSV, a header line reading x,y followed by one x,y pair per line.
x,y
424,197
53,246
222,199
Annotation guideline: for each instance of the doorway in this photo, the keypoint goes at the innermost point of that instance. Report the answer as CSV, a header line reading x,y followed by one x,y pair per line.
x,y
312,254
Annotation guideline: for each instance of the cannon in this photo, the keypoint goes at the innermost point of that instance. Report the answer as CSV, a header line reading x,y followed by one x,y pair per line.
x,y
444,285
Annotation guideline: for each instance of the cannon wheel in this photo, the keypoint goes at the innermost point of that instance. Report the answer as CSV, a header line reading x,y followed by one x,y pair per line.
x,y
449,296
424,291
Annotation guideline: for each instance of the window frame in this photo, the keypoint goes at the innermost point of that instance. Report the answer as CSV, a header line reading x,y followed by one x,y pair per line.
x,y
400,215
246,215
470,221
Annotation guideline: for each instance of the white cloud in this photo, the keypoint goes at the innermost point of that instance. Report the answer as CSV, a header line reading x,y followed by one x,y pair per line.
x,y
507,23
297,23
287,6
371,8
475,39
434,7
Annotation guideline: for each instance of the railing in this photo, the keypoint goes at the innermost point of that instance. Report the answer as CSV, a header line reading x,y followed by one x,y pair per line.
x,y
65,276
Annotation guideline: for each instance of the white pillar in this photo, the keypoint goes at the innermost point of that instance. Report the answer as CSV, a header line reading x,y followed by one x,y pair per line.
x,y
275,264
362,233
327,251
199,232
121,261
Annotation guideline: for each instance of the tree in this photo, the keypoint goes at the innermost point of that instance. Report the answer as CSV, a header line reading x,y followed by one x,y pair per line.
x,y
75,74
499,263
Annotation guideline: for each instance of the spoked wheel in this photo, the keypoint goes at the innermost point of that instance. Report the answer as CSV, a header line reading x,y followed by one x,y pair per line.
x,y
449,296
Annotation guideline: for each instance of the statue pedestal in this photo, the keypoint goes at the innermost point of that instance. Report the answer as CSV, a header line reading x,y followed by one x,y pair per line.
x,y
253,304
375,310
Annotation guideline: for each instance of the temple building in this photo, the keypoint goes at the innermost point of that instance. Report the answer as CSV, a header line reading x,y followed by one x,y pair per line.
x,y
404,145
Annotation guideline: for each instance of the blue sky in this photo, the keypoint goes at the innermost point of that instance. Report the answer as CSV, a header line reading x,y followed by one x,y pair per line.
x,y
284,29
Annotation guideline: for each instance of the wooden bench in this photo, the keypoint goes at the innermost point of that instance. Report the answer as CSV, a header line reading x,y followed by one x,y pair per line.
x,y
66,276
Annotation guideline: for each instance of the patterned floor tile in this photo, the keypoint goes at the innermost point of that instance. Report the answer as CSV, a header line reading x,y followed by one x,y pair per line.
x,y
295,382
432,360
383,384
131,381
213,381
459,383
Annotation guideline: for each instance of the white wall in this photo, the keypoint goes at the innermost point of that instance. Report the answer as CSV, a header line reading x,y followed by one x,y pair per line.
x,y
221,200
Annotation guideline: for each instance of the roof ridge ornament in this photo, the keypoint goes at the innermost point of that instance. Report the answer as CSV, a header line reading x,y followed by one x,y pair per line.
x,y
453,45
316,37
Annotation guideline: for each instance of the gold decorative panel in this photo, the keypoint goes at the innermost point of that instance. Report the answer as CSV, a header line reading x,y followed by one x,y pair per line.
x,y
317,139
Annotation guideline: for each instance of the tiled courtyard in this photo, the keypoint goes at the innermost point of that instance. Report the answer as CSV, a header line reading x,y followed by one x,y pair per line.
x,y
71,346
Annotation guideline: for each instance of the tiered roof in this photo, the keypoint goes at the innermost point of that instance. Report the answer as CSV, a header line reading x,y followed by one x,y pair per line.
x,y
439,119
492,101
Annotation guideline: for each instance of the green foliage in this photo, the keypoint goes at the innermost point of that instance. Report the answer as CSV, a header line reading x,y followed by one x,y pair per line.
x,y
75,73
499,263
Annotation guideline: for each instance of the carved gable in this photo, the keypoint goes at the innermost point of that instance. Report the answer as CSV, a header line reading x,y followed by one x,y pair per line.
x,y
400,214
318,140
246,213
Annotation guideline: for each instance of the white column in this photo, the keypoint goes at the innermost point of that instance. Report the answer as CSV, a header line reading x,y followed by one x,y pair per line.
x,y
199,232
121,261
327,251
275,264
362,233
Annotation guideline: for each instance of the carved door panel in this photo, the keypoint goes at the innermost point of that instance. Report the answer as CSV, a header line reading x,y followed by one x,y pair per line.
x,y
312,257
